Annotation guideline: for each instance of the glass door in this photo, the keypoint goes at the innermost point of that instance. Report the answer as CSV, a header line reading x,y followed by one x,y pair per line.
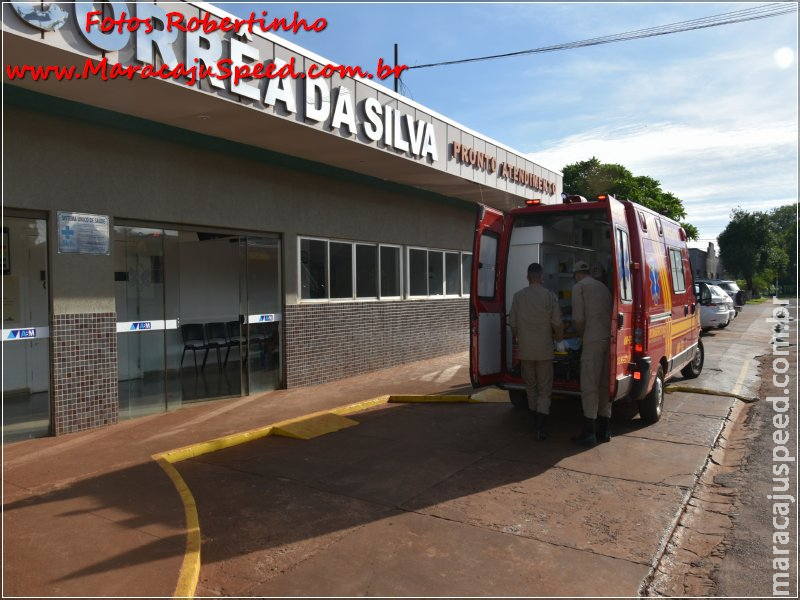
x,y
142,323
261,298
26,329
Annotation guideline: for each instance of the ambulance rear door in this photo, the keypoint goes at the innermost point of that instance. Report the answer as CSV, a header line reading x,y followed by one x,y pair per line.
x,y
486,299
622,311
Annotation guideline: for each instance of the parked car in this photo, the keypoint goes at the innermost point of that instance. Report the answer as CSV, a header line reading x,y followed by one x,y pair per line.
x,y
731,288
715,306
720,293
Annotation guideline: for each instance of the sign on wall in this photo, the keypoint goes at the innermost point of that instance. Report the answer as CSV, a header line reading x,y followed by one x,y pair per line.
x,y
81,233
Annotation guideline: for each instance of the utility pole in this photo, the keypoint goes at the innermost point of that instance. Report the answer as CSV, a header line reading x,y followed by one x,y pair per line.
x,y
396,80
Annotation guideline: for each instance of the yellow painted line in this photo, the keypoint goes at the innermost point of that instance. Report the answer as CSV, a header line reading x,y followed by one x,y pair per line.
x,y
740,380
190,568
308,429
432,399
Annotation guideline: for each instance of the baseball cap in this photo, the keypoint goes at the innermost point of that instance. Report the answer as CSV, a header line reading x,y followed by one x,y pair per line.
x,y
580,266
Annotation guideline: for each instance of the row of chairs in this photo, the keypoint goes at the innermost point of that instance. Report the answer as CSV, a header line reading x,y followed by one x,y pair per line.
x,y
218,335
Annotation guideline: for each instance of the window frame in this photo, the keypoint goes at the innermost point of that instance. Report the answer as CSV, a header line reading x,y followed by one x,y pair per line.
x,y
675,268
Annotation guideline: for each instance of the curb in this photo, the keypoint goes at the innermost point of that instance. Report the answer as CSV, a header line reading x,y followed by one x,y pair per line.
x,y
303,427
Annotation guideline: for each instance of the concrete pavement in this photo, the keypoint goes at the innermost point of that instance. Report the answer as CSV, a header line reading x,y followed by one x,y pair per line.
x,y
93,514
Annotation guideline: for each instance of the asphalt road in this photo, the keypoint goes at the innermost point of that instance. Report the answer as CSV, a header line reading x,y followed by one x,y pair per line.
x,y
459,500
747,568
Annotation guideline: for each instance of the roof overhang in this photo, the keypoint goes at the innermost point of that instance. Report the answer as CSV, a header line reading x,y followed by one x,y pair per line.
x,y
207,110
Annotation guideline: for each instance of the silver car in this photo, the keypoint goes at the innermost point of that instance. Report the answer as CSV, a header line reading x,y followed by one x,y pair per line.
x,y
715,306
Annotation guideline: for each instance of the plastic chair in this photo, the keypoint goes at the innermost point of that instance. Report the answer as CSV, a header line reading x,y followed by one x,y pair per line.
x,y
194,339
217,337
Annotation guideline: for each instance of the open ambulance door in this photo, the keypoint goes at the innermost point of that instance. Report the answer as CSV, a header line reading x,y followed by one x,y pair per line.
x,y
486,300
622,314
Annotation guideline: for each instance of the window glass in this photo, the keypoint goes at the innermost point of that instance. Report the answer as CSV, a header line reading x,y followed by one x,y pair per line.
x,y
676,266
341,270
390,272
466,273
313,263
452,270
487,265
418,272
435,273
366,271
624,266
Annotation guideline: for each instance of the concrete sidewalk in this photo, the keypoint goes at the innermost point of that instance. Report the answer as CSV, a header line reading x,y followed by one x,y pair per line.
x,y
92,514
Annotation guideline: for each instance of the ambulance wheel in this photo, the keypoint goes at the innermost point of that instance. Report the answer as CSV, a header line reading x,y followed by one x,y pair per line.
x,y
519,399
694,368
650,406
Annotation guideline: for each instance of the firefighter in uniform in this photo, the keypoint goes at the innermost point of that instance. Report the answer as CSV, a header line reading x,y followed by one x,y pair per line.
x,y
591,312
535,320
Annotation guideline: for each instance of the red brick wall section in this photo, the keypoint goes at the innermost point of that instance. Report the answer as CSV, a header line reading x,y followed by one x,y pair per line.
x,y
83,374
330,341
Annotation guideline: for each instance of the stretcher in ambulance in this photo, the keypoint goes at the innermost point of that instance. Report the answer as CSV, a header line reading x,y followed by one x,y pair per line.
x,y
640,255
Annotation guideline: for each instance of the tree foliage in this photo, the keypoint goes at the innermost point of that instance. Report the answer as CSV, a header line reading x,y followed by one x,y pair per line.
x,y
589,178
760,247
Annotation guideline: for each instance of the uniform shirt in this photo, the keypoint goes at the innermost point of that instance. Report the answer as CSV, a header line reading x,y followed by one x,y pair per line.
x,y
591,310
534,316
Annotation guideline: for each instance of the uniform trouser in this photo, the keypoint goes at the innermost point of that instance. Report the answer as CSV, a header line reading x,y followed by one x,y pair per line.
x,y
594,380
538,377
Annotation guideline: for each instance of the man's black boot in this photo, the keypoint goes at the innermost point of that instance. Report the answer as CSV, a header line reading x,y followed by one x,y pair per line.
x,y
586,437
541,426
603,429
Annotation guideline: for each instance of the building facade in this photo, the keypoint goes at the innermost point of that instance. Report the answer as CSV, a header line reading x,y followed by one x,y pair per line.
x,y
167,243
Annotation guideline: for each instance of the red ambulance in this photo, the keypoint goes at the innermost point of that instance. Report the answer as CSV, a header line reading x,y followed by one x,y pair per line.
x,y
642,257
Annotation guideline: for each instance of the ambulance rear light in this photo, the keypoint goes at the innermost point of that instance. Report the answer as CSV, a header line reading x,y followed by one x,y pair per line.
x,y
533,202
637,375
602,198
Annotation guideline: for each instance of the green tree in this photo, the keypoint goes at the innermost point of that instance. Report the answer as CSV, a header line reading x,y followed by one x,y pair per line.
x,y
751,248
589,178
783,222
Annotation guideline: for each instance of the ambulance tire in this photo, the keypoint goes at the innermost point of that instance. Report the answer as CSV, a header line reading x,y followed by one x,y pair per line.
x,y
694,368
651,405
519,398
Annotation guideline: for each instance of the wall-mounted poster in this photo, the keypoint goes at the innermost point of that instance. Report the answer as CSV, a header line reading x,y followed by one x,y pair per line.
x,y
81,233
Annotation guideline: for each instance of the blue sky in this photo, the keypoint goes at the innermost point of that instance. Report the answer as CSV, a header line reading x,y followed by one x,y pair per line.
x,y
712,114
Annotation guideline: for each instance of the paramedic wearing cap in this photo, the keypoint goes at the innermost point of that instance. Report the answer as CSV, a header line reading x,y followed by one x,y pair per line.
x,y
591,312
535,320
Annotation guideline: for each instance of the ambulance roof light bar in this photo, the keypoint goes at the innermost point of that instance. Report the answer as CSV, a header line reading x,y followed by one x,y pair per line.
x,y
533,202
571,198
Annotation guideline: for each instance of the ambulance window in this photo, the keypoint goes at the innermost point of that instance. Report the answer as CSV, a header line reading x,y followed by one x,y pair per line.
x,y
624,266
487,265
676,266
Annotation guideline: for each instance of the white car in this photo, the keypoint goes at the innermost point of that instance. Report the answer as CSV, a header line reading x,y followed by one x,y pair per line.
x,y
724,297
715,306
729,287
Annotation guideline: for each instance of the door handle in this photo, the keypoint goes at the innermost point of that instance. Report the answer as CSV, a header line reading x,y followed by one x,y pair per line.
x,y
620,320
